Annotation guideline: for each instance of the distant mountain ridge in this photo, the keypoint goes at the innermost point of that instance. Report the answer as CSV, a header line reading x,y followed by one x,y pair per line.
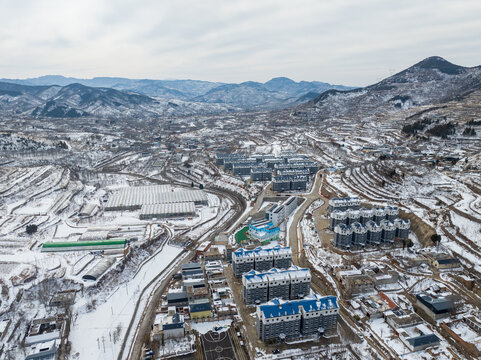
x,y
433,80
275,93
77,100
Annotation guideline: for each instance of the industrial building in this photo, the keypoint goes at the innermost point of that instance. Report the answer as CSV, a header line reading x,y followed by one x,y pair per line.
x,y
150,211
290,284
435,307
99,269
56,246
280,320
134,198
260,259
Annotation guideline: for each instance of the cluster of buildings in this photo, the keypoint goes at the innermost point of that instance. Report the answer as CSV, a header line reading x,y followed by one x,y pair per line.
x,y
44,338
366,281
289,171
286,309
203,294
260,287
355,227
265,230
408,326
157,201
260,259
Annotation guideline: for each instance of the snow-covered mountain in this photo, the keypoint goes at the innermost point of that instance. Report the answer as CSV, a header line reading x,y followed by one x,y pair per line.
x,y
277,92
76,100
431,81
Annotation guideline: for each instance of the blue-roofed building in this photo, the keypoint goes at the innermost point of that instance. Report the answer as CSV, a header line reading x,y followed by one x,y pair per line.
x,y
263,231
261,259
259,287
279,320
255,287
242,261
264,259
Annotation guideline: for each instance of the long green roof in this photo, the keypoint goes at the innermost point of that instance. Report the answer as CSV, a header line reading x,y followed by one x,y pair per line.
x,y
52,244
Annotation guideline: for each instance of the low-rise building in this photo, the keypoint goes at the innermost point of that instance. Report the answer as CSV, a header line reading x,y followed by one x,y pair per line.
x,y
399,319
173,325
435,307
263,231
44,330
43,350
200,309
418,337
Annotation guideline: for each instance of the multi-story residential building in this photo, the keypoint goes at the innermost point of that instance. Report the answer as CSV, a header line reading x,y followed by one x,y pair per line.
x,y
261,174
300,282
282,257
374,232
392,212
359,234
365,215
293,283
245,260
338,217
242,261
279,320
343,236
352,216
343,204
264,259
281,183
279,284
255,287
379,214
388,232
402,228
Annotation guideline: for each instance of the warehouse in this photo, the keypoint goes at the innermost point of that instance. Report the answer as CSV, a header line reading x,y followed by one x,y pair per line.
x,y
99,269
133,198
51,246
150,211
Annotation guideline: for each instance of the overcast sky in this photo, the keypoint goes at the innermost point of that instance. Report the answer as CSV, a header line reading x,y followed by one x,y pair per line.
x,y
341,42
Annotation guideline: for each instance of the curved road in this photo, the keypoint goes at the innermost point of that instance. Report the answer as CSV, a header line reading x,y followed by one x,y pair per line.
x,y
162,280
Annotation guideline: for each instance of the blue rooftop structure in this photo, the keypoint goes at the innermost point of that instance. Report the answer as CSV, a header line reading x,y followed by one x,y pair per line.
x,y
277,307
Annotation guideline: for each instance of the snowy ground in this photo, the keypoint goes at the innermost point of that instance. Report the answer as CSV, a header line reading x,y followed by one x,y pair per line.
x,y
97,334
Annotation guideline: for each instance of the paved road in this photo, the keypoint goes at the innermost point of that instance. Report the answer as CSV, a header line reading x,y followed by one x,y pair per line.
x,y
144,326
295,241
